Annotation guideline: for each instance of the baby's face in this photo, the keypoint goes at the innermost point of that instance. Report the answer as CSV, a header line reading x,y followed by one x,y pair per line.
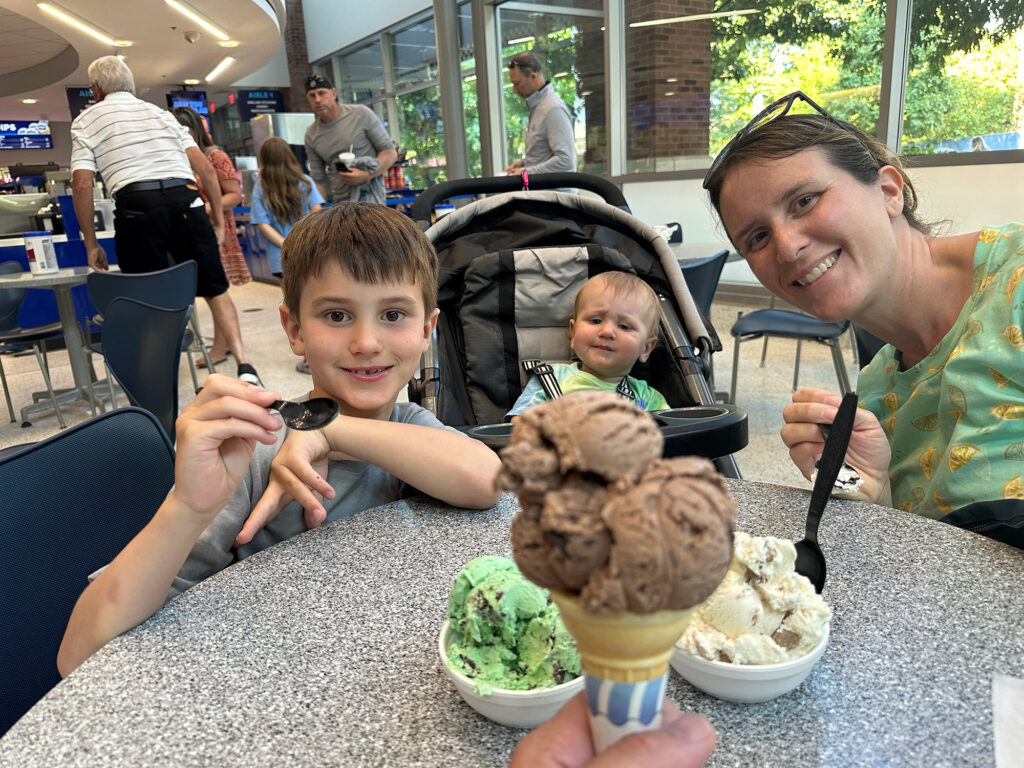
x,y
609,333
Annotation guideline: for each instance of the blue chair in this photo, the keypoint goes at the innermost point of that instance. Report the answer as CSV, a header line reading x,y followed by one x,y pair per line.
x,y
71,503
14,335
170,288
141,344
782,323
702,278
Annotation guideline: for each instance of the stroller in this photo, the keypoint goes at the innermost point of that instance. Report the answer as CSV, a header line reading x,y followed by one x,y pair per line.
x,y
510,267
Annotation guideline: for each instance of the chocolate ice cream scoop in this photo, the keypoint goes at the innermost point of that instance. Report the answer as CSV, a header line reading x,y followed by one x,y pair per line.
x,y
604,518
598,433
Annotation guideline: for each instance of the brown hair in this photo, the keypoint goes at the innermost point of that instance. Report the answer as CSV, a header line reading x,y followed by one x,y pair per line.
x,y
284,185
846,146
191,120
371,242
625,284
526,62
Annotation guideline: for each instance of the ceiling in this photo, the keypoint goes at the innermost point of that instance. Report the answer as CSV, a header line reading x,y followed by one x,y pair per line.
x,y
41,56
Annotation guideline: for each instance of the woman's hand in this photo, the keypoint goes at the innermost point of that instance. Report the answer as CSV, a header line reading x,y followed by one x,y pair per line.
x,y
868,451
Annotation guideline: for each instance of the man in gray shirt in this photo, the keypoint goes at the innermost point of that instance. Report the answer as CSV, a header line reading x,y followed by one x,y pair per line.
x,y
549,135
346,128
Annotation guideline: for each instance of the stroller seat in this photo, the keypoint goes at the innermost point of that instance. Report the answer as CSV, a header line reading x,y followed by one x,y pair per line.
x,y
505,297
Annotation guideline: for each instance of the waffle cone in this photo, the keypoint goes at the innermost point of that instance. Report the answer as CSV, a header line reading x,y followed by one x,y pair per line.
x,y
622,647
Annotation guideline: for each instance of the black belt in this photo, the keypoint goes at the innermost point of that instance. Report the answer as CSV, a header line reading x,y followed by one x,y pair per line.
x,y
148,186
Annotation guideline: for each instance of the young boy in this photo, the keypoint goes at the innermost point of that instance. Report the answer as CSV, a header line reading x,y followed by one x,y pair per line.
x,y
360,285
612,326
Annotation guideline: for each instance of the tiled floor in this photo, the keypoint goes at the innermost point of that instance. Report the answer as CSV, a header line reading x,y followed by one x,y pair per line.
x,y
762,392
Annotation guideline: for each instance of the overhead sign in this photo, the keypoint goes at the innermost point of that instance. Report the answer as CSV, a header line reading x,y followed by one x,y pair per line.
x,y
259,102
25,134
79,99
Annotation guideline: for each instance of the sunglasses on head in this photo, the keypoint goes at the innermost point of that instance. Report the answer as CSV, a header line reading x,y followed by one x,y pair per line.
x,y
773,111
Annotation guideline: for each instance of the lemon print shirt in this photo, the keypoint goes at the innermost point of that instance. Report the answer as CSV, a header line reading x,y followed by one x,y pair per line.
x,y
954,420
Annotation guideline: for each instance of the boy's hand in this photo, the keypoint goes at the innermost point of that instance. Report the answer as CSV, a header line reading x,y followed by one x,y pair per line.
x,y
299,472
216,434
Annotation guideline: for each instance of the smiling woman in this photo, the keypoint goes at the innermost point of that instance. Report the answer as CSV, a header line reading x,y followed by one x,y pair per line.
x,y
826,218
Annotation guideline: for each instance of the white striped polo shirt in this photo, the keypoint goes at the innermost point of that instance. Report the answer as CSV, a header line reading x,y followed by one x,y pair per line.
x,y
126,140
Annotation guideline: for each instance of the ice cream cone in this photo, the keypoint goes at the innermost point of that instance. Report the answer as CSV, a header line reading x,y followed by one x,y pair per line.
x,y
625,660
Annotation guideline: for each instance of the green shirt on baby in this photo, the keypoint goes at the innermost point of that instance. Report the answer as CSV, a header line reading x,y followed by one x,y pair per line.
x,y
572,379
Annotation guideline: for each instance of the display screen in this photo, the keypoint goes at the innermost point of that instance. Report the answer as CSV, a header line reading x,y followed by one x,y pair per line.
x,y
194,99
25,134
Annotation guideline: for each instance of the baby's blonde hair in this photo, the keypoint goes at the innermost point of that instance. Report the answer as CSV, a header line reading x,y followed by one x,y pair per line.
x,y
625,284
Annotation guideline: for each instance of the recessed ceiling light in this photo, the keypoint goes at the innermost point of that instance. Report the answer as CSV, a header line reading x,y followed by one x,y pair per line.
x,y
29,101
206,24
228,43
123,43
226,62
518,40
560,74
586,93
670,93
191,81
671,79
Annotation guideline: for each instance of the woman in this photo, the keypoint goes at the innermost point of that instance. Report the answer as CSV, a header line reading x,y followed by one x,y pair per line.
x,y
281,197
231,256
827,220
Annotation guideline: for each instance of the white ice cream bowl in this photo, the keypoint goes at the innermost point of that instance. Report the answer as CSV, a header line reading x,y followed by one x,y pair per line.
x,y
746,683
518,709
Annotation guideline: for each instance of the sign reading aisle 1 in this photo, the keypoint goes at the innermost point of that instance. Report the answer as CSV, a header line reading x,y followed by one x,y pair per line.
x,y
25,134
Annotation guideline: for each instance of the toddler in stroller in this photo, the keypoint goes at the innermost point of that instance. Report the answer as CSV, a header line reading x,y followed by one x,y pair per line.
x,y
510,268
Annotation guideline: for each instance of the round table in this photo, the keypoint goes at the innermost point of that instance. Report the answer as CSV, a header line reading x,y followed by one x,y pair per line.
x,y
322,651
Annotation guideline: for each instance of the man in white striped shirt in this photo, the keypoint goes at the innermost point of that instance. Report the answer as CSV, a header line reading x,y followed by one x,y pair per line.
x,y
147,160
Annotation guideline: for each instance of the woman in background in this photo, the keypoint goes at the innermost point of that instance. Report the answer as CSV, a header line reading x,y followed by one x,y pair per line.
x,y
230,250
281,197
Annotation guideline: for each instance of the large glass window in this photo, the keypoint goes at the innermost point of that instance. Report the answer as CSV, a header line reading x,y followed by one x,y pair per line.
x,y
693,81
965,87
362,74
414,52
571,49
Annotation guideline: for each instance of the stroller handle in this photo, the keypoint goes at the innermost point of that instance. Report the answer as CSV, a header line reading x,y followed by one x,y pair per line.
x,y
431,196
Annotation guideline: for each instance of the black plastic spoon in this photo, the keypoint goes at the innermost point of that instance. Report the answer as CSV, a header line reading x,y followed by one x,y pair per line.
x,y
312,414
810,561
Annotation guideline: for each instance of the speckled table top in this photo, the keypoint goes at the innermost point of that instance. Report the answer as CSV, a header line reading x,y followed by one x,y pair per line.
x,y
323,652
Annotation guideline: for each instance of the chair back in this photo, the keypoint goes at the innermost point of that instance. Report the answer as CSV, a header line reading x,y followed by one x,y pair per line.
x,y
72,502
702,279
142,346
171,288
867,345
10,298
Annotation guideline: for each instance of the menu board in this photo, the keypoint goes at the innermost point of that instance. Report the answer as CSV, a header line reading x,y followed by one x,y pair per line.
x,y
25,134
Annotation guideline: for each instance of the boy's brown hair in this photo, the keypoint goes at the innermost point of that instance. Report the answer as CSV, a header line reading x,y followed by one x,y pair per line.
x,y
371,242
625,284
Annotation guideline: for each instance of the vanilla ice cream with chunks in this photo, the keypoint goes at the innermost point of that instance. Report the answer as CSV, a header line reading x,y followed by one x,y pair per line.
x,y
763,612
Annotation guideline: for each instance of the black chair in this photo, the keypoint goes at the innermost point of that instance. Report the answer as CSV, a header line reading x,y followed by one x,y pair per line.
x,y
783,323
867,345
71,503
141,346
14,336
702,278
171,288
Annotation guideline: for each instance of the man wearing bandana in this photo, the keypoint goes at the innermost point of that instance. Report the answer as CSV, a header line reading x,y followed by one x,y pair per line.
x,y
346,128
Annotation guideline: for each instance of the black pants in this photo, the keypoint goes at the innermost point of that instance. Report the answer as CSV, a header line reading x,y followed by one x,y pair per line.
x,y
157,229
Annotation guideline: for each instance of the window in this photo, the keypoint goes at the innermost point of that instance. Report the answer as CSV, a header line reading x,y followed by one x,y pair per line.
x,y
571,49
965,79
361,74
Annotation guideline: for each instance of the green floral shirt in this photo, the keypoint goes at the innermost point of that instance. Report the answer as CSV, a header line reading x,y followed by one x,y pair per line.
x,y
955,421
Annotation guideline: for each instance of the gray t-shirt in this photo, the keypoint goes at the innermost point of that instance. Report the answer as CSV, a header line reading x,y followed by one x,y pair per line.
x,y
358,485
356,127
